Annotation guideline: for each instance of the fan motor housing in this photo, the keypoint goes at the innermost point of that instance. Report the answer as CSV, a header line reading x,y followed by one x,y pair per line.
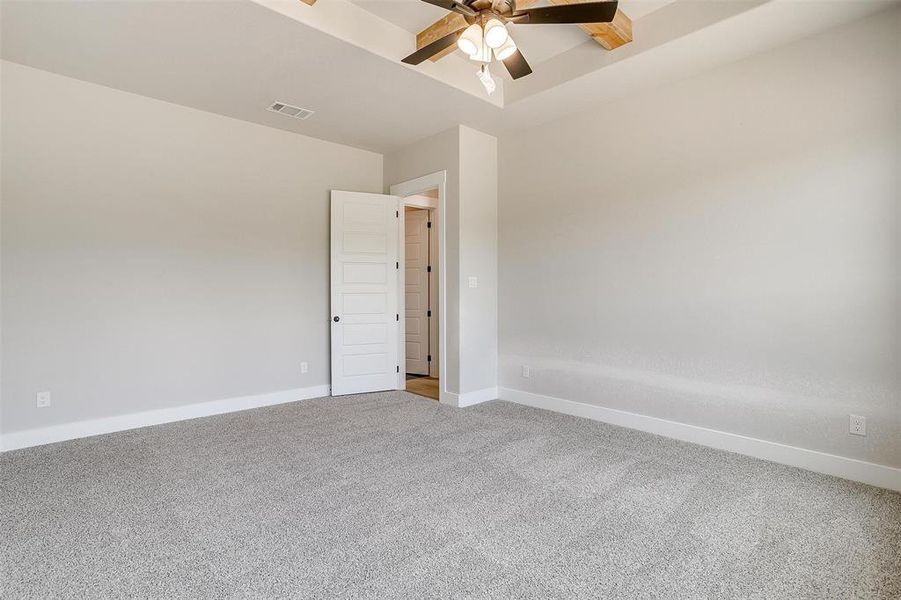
x,y
503,7
500,7
488,9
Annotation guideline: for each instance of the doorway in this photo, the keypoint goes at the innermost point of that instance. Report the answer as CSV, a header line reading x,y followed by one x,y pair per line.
x,y
421,294
367,281
425,194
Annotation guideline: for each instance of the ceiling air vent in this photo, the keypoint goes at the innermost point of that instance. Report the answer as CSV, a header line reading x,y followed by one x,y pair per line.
x,y
290,111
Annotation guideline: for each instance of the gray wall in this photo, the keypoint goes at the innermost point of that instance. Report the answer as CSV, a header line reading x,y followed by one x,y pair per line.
x,y
478,258
723,251
470,159
144,271
440,152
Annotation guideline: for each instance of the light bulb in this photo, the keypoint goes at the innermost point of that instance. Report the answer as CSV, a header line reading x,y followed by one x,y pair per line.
x,y
471,40
495,33
486,79
506,50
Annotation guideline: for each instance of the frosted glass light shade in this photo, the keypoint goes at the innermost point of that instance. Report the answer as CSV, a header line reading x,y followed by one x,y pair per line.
x,y
483,55
471,40
506,50
495,33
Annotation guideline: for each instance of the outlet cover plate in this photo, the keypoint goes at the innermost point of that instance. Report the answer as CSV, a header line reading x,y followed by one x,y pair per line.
x,y
857,425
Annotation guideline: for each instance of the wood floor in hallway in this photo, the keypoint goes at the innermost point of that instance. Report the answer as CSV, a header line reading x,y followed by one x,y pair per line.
x,y
423,386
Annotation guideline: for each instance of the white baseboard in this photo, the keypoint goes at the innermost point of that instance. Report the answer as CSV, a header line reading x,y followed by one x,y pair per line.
x,y
830,464
476,397
468,398
81,429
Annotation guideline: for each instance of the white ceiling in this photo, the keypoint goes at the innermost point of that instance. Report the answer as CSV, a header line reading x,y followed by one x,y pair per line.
x,y
341,58
235,58
412,15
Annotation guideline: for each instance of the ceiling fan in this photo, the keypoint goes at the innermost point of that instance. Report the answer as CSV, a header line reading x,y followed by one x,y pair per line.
x,y
487,35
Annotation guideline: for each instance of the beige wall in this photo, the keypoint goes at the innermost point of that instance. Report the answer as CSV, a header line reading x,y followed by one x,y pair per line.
x,y
155,255
723,251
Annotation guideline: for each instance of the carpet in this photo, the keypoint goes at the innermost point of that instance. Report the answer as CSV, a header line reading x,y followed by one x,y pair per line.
x,y
394,496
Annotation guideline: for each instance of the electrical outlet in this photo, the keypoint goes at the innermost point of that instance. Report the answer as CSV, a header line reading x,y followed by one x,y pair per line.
x,y
43,399
526,371
857,425
304,367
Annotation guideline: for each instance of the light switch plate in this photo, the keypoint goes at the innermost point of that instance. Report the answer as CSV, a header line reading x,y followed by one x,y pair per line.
x,y
43,399
473,282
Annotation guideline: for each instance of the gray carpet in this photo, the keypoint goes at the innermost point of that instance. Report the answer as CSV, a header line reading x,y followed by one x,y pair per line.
x,y
394,496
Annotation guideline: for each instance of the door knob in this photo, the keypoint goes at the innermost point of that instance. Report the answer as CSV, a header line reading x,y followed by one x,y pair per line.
x,y
336,319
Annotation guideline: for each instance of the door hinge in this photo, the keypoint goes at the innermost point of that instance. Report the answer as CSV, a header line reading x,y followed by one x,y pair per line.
x,y
428,313
397,265
396,214
429,268
429,224
429,358
397,316
398,368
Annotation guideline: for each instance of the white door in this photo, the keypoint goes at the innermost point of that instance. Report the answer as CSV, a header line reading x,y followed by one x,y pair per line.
x,y
416,293
364,281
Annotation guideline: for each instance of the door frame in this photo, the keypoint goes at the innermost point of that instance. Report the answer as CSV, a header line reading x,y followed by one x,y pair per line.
x,y
404,190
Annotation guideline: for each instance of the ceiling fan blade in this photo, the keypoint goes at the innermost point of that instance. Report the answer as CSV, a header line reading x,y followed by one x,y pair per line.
x,y
430,50
458,6
517,65
586,12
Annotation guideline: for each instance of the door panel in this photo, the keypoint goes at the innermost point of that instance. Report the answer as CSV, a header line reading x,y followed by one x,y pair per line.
x,y
416,293
364,299
365,273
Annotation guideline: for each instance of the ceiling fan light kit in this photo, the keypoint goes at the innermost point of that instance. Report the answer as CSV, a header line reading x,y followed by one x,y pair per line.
x,y
505,50
483,55
471,40
495,33
486,32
